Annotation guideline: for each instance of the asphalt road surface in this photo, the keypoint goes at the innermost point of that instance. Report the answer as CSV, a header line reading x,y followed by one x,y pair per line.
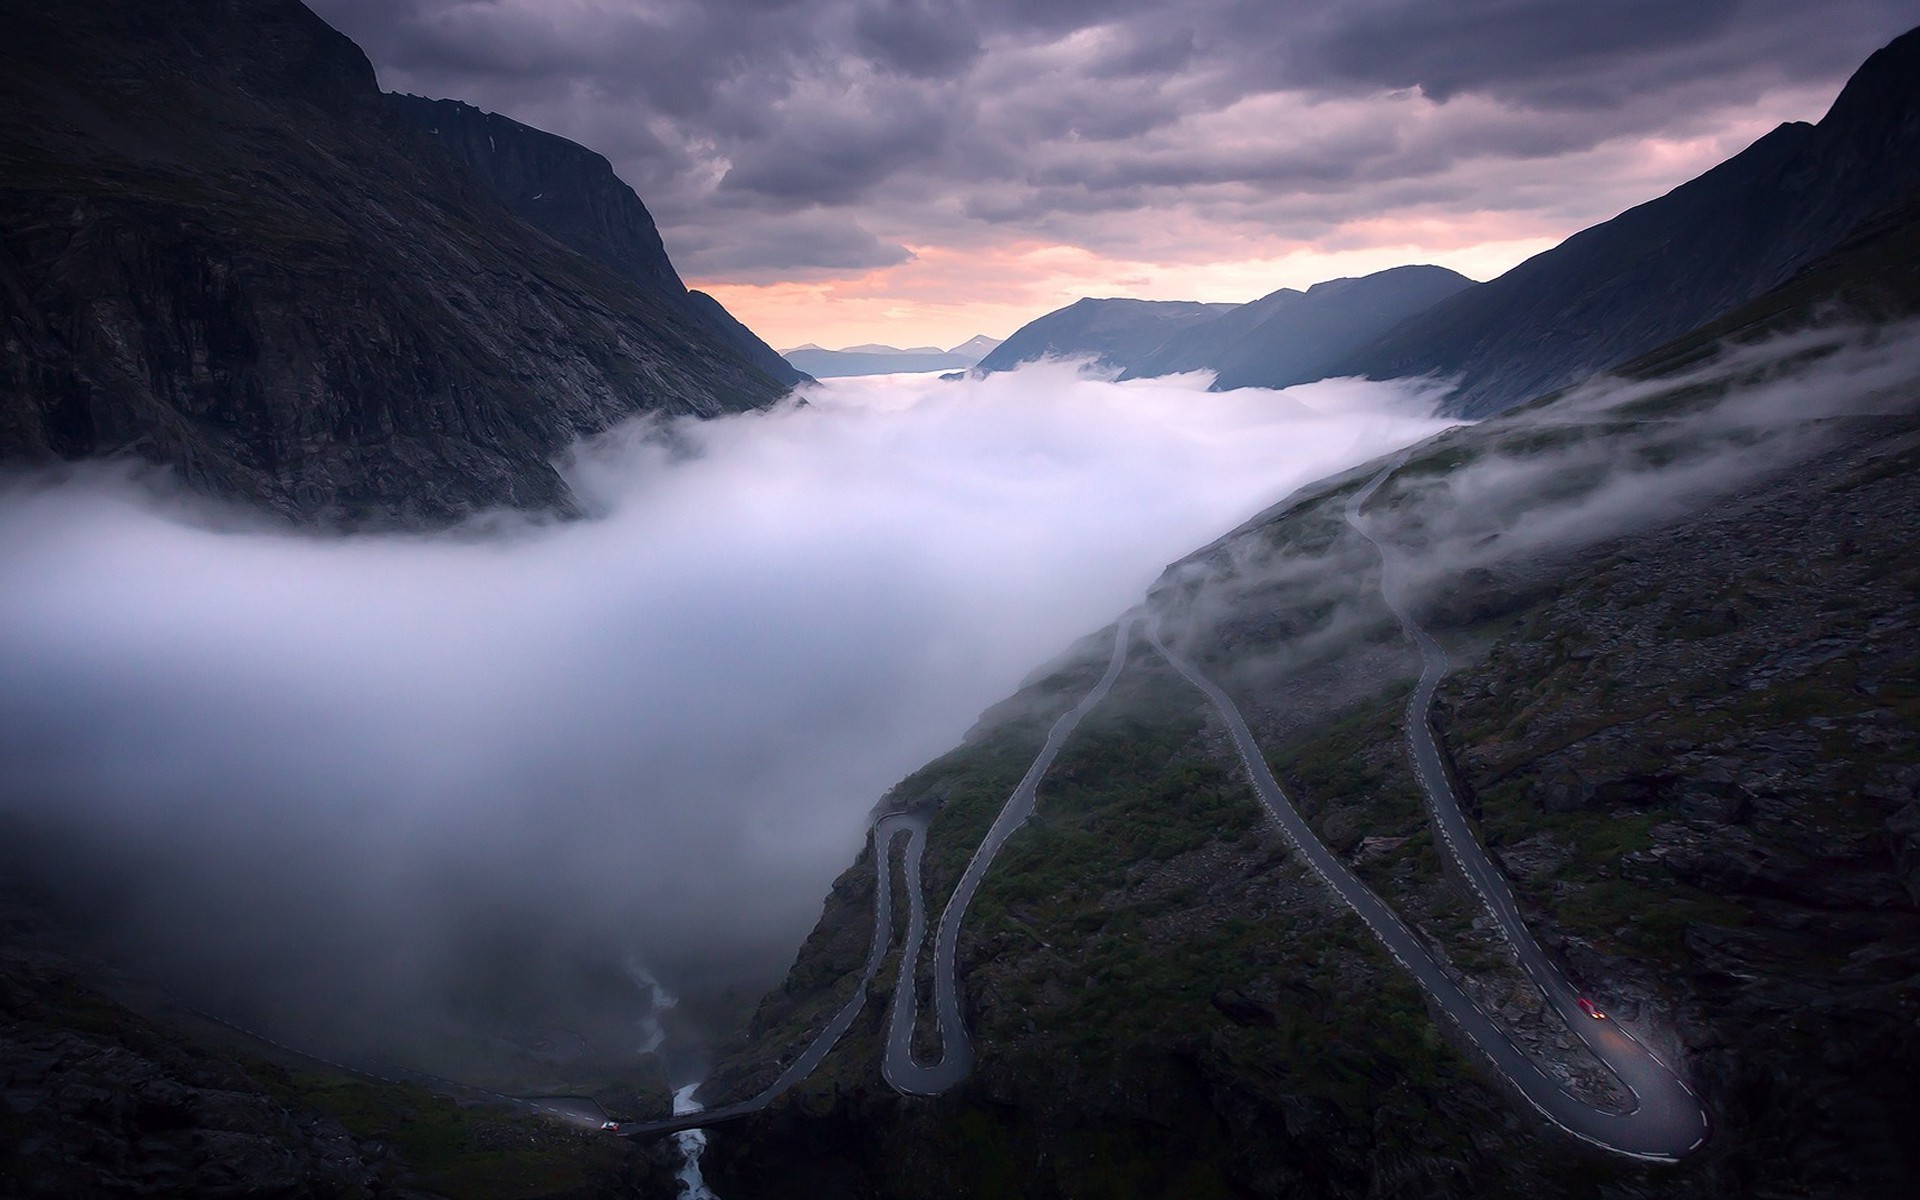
x,y
1665,1120
956,1057
956,1049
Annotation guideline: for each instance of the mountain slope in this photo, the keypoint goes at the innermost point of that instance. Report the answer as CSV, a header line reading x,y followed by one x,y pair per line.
x,y
221,250
743,340
571,194
1115,333
1623,287
1291,337
1680,614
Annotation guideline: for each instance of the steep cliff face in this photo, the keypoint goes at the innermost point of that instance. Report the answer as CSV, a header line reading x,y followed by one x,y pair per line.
x,y
559,187
571,194
221,250
1682,710
745,340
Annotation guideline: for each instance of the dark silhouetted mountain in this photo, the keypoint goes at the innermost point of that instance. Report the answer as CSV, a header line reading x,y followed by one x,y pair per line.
x,y
745,340
1115,333
571,194
1291,337
222,249
1623,287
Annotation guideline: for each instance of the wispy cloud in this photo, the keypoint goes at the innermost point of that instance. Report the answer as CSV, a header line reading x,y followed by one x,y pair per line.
x,y
1487,515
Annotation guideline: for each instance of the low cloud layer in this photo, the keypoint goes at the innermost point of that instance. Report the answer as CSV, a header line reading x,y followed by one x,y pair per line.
x,y
1484,520
393,780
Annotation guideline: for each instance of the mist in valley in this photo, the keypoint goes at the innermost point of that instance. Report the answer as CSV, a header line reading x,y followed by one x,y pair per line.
x,y
1482,520
527,783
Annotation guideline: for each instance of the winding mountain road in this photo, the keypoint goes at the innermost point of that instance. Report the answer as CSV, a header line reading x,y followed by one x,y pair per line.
x,y
1665,1121
956,1049
898,1066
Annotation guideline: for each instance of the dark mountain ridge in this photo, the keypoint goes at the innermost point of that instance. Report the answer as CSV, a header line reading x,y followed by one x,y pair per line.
x,y
1112,332
222,250
1605,295
572,195
1657,270
1290,337
1692,745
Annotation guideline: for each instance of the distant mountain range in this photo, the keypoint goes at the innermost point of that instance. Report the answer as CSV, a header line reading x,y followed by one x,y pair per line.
x,y
1598,299
291,288
1622,287
874,359
1290,337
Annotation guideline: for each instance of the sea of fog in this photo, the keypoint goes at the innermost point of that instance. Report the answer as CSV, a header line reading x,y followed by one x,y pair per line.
x,y
492,774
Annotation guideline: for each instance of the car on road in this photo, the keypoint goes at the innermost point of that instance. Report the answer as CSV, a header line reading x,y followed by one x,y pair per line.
x,y
1588,1007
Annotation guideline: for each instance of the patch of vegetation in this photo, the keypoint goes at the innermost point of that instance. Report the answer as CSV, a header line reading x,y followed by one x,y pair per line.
x,y
464,1152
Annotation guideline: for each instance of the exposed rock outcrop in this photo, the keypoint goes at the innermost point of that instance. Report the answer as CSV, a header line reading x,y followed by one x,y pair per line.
x,y
571,194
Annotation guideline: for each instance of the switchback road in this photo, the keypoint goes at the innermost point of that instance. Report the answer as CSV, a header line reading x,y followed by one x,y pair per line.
x,y
1664,1121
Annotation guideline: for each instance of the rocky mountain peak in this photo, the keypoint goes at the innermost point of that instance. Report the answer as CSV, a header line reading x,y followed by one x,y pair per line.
x,y
221,250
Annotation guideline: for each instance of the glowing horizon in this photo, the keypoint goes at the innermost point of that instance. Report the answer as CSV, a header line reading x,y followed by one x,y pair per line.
x,y
918,174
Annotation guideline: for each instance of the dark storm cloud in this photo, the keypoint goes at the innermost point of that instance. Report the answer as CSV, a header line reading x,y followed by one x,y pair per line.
x,y
1507,46
792,246
836,146
915,118
914,37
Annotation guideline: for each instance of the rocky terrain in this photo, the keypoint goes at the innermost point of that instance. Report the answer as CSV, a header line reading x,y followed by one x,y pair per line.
x,y
1680,607
224,251
112,1090
1681,613
571,194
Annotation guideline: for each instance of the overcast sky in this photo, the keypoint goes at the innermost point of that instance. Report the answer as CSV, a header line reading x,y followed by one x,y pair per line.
x,y
912,171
